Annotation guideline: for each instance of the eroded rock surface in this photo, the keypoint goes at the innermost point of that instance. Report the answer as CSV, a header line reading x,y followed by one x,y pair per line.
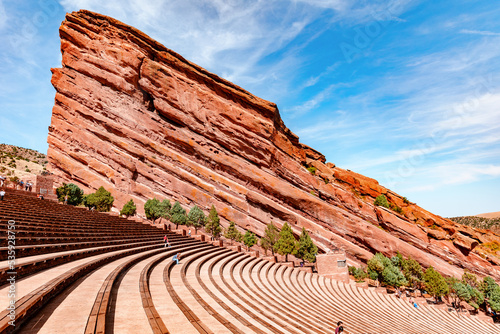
x,y
143,122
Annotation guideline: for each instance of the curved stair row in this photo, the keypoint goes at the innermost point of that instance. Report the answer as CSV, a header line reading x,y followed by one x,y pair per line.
x,y
78,271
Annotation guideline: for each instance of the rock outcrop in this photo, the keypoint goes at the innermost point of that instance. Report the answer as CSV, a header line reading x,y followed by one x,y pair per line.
x,y
140,120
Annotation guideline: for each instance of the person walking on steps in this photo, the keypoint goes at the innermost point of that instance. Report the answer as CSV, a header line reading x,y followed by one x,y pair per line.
x,y
177,258
340,328
165,240
2,194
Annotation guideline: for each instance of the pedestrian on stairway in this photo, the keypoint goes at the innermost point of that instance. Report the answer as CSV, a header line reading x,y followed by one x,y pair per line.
x,y
340,328
2,194
165,240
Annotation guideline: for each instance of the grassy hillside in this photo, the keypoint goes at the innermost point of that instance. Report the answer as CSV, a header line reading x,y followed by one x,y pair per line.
x,y
479,222
21,162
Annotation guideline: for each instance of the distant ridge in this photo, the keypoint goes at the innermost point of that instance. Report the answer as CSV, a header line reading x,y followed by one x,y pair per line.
x,y
489,215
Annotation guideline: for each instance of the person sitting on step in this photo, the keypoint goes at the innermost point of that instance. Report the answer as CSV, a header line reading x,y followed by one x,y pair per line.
x,y
177,258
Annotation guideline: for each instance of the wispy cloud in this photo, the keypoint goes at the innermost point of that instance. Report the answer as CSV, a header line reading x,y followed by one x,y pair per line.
x,y
3,16
479,32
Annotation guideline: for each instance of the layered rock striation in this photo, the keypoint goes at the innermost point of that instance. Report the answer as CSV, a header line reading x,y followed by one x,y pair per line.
x,y
140,120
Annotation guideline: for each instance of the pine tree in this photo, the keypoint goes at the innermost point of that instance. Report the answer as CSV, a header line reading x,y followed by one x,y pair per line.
x,y
232,233
249,239
271,236
306,249
213,223
129,209
435,284
178,215
286,243
196,218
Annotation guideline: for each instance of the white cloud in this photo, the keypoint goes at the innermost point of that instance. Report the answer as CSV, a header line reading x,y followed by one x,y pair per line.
x,y
479,32
3,16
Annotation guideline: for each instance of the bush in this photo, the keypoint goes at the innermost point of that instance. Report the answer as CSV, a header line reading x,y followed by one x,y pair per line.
x,y
196,218
232,233
213,223
101,200
306,249
74,193
286,243
155,209
312,170
129,209
178,215
249,239
381,200
397,209
270,238
435,284
405,200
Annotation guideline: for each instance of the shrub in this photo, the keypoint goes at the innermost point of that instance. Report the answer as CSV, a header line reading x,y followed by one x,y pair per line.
x,y
74,193
129,209
397,209
306,249
381,200
155,209
232,233
270,238
249,239
178,215
435,284
286,243
213,223
312,170
101,200
405,200
412,270
196,218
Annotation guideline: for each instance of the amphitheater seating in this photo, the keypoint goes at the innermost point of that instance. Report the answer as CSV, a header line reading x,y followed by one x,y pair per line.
x,y
83,272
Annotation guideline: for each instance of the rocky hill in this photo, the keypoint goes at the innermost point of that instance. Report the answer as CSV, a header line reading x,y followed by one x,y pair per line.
x,y
21,162
492,224
140,120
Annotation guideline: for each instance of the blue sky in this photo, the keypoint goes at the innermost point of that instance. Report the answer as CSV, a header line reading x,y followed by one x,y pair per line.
x,y
406,92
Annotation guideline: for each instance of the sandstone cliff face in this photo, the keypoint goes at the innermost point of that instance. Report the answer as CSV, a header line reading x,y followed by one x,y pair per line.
x,y
143,122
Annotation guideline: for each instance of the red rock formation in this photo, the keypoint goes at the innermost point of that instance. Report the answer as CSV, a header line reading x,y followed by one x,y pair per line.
x,y
143,122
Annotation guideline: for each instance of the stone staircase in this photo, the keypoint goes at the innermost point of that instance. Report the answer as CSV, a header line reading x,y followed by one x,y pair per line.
x,y
84,272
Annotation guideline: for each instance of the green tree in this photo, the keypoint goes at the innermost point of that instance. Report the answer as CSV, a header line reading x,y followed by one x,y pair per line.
x,y
270,238
249,239
435,284
101,200
412,270
74,193
470,278
153,209
178,215
491,291
196,218
376,266
306,249
381,200
286,243
232,233
392,276
213,223
129,209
